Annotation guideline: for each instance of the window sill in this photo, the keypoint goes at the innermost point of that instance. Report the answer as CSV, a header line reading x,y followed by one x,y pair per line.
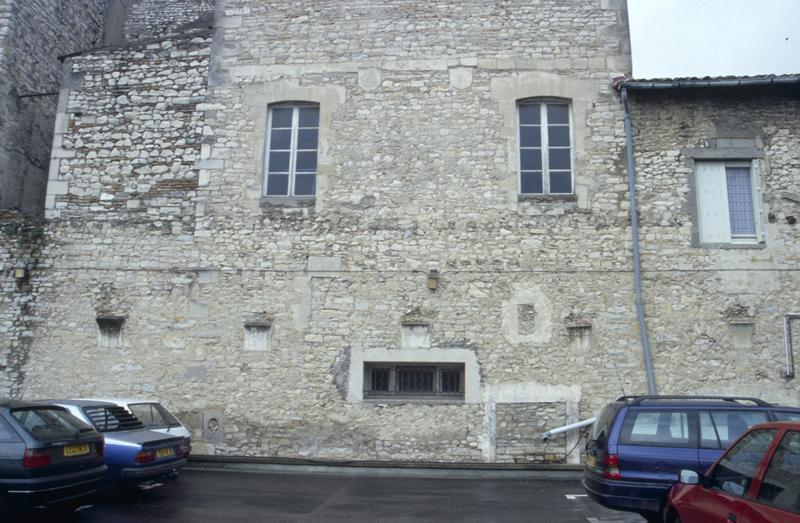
x,y
288,201
423,400
547,197
732,246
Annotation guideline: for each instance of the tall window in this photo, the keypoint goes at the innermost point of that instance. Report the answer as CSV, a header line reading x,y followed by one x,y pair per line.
x,y
727,207
292,145
545,147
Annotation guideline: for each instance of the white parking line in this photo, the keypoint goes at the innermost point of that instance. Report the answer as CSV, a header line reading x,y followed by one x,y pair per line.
x,y
575,496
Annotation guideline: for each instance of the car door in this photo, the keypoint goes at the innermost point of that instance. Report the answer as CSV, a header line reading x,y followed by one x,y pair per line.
x,y
719,428
656,444
777,496
723,498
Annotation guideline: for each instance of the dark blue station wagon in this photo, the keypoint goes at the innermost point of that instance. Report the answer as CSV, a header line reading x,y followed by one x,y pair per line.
x,y
639,444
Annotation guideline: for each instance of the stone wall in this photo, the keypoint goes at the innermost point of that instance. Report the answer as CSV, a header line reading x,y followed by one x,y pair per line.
x,y
417,172
34,34
156,18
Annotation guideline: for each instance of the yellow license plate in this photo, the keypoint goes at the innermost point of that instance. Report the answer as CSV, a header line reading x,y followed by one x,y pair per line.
x,y
591,460
165,453
76,450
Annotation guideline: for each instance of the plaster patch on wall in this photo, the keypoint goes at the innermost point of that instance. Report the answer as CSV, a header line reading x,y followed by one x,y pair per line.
x,y
415,336
524,303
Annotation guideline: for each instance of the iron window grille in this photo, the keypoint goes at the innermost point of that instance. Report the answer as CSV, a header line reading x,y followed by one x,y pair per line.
x,y
291,152
404,380
545,147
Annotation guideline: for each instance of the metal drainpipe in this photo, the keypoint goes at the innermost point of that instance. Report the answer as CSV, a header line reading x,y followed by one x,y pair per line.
x,y
637,262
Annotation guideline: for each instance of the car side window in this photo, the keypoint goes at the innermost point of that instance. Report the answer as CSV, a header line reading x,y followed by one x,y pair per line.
x,y
735,471
781,485
787,416
661,427
721,428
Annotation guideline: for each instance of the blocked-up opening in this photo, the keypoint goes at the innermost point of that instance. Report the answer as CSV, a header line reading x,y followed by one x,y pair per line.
x,y
416,336
256,337
110,335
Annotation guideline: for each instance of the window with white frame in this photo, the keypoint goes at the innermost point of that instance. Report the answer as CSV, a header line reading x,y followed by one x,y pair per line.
x,y
728,203
292,145
545,147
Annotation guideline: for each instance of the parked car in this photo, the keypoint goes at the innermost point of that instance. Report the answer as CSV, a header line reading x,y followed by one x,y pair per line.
x,y
153,415
47,456
639,444
133,454
756,481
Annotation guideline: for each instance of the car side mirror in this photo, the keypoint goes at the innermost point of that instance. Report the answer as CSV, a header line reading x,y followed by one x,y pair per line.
x,y
689,477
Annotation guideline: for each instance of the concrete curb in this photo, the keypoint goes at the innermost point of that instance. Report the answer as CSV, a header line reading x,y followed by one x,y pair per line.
x,y
373,469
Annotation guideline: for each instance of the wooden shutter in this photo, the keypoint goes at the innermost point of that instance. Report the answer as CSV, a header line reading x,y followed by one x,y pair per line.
x,y
713,221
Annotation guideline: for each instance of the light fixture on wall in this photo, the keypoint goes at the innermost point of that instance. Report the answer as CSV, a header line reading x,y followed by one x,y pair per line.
x,y
20,272
433,280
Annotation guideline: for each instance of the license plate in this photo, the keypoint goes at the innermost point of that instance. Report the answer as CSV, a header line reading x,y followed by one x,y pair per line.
x,y
165,453
76,450
591,460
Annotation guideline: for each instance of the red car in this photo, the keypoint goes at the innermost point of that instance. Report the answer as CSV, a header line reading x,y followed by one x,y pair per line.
x,y
757,480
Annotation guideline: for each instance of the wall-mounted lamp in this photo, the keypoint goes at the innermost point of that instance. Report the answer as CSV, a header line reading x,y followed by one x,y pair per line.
x,y
433,280
19,273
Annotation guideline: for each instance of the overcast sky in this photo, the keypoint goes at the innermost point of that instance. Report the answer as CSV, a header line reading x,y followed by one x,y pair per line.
x,y
697,38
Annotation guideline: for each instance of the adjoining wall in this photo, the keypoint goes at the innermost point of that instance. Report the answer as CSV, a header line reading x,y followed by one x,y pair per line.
x,y
156,18
34,34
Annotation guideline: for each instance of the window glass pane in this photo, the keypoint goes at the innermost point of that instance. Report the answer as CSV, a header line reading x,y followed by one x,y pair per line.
x,y
558,135
280,139
740,201
451,381
277,184
708,433
667,428
737,467
530,159
531,183
787,416
529,113
561,182
530,136
557,113
730,425
560,159
281,117
306,161
781,485
309,117
305,184
279,162
415,380
307,138
379,380
48,423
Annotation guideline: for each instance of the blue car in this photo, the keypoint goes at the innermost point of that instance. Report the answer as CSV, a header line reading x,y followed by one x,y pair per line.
x,y
133,454
639,444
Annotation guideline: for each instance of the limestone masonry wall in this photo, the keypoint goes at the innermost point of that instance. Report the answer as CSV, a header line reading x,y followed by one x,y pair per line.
x,y
156,18
157,215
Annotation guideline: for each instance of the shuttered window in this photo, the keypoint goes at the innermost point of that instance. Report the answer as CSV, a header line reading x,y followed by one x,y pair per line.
x,y
727,206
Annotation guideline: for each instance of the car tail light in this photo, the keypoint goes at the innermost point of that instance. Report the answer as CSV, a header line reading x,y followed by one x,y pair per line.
x,y
100,447
145,456
185,448
36,458
611,467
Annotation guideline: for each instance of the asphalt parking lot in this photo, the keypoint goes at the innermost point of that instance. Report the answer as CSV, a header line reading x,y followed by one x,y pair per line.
x,y
205,495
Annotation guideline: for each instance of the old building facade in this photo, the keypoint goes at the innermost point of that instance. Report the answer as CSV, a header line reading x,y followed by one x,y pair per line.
x,y
392,230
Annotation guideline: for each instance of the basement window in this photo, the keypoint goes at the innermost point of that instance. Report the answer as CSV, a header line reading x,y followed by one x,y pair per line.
x,y
413,381
110,335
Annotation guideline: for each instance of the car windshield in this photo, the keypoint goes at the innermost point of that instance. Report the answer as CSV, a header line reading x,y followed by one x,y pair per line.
x,y
153,415
48,423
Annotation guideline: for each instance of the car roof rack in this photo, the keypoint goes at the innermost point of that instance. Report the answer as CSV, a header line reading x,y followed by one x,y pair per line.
x,y
638,400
